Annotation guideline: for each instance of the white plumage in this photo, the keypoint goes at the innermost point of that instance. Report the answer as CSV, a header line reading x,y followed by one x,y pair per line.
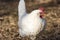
x,y
29,24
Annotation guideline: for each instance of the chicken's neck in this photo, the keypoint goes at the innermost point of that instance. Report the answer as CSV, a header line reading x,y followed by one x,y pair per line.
x,y
32,15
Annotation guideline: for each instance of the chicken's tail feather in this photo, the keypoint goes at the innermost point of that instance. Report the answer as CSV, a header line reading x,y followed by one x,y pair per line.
x,y
21,9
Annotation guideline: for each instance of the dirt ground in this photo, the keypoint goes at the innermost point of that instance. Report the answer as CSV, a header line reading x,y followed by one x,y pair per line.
x,y
9,20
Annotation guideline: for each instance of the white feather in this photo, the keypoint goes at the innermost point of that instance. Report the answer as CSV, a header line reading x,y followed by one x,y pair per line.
x,y
21,9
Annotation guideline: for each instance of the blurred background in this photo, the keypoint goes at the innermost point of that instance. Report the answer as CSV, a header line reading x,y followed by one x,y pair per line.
x,y
9,19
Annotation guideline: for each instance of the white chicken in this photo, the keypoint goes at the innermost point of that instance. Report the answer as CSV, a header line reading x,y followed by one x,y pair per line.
x,y
30,24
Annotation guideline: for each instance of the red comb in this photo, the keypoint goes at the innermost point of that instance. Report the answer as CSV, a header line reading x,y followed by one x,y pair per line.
x,y
41,8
